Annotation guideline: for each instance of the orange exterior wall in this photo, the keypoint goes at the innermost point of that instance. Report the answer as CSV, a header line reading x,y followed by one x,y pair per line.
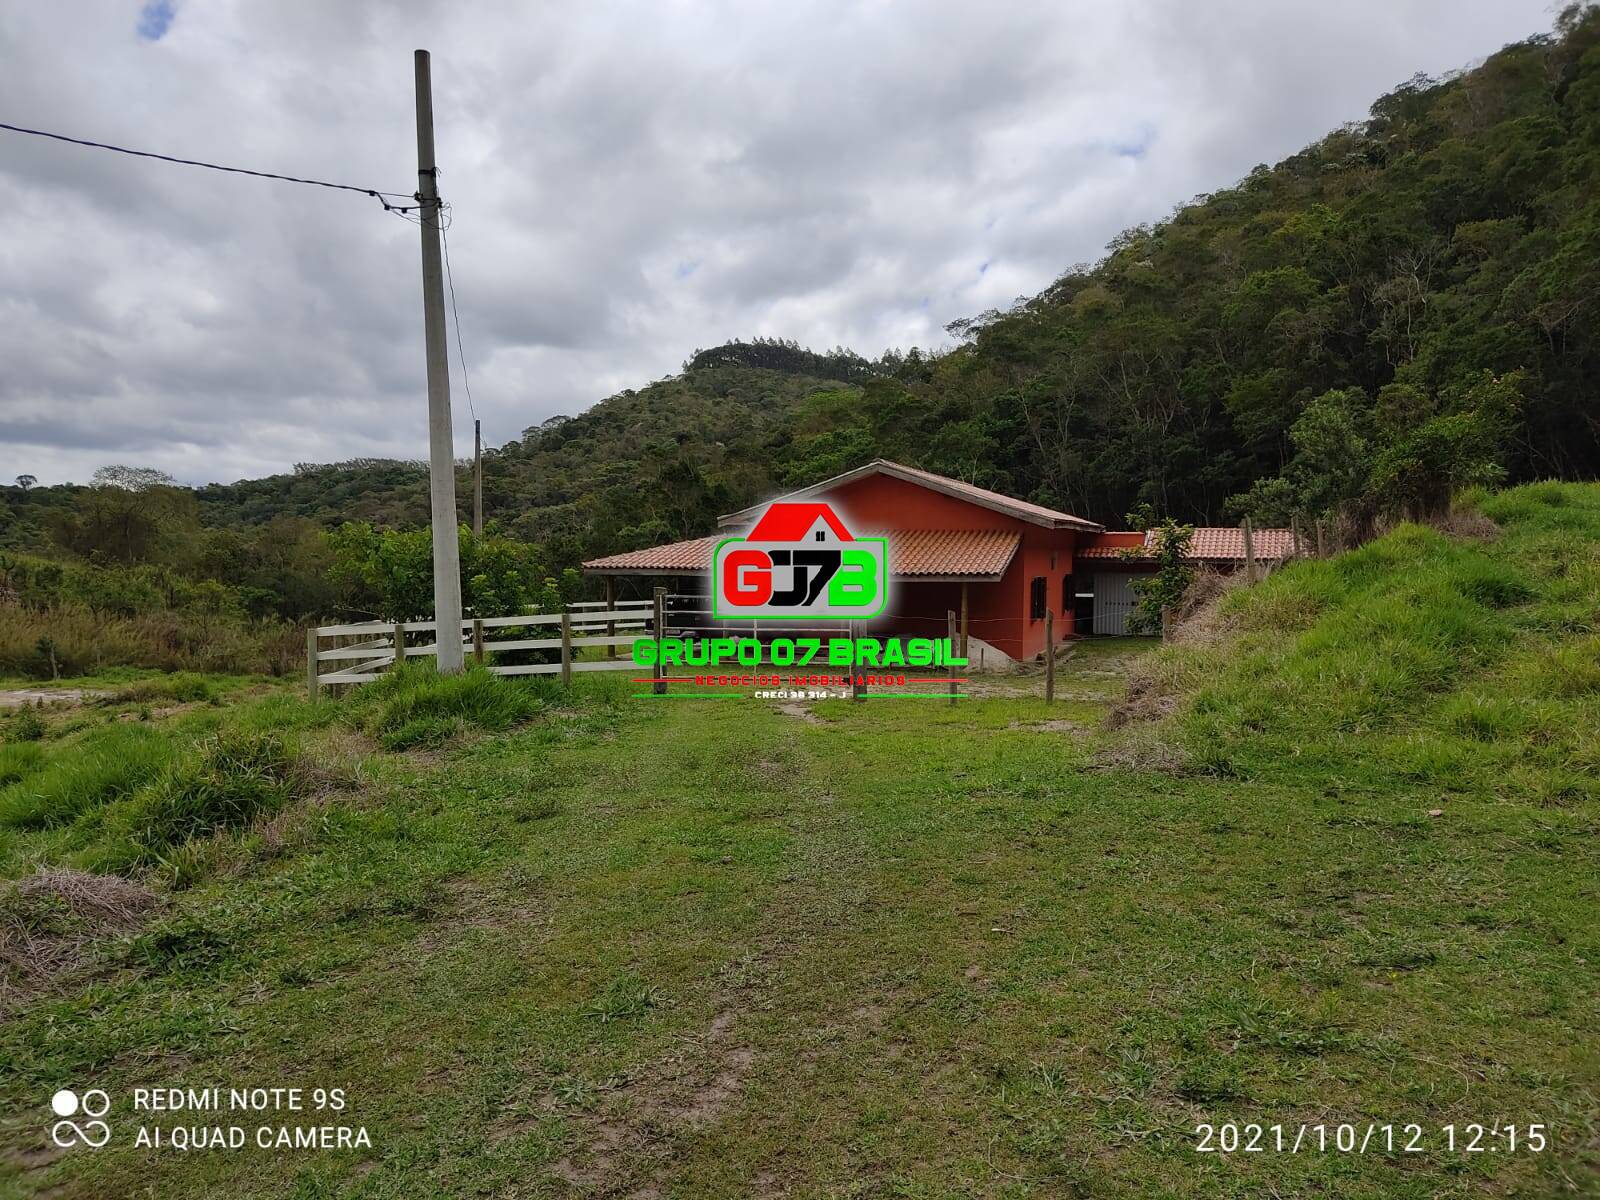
x,y
997,612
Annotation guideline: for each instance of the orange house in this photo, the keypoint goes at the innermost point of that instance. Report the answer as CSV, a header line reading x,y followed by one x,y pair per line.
x,y
997,562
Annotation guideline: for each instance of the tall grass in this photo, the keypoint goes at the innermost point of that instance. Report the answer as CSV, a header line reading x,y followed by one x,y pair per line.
x,y
224,783
107,765
18,760
72,640
416,706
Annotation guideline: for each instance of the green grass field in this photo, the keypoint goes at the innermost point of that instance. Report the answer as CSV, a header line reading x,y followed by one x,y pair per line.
x,y
1335,864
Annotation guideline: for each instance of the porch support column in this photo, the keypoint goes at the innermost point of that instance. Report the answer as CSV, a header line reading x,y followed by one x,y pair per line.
x,y
963,619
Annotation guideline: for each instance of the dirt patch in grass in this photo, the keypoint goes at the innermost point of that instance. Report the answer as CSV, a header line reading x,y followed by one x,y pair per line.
x,y
802,712
1149,752
629,1134
1049,726
30,697
466,905
51,921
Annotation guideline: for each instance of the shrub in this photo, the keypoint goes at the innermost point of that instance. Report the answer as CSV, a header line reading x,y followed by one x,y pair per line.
x,y
26,726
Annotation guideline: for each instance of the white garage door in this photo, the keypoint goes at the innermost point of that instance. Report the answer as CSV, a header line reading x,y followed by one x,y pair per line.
x,y
1114,601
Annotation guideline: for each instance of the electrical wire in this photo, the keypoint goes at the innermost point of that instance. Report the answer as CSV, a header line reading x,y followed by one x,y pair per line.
x,y
441,210
454,315
380,196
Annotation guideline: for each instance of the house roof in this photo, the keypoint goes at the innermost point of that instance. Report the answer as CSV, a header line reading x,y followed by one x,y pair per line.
x,y
1022,510
791,522
975,554
1211,543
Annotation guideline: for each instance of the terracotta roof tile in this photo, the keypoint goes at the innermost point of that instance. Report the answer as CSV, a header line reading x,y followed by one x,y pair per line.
x,y
693,555
913,553
923,552
994,501
1211,543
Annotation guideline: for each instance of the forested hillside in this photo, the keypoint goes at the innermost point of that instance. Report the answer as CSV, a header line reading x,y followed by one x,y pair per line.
x,y
1338,316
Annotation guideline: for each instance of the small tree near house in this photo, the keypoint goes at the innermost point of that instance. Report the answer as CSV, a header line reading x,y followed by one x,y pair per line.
x,y
1173,575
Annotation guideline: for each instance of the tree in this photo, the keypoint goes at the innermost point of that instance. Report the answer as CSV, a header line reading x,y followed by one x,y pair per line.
x,y
1173,574
26,481
130,515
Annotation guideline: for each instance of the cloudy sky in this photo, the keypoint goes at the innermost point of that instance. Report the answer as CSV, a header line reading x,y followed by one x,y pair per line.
x,y
630,181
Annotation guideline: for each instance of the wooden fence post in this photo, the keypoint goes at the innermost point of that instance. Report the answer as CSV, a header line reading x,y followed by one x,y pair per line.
x,y
399,645
477,639
1049,655
566,649
1168,620
1322,549
311,662
611,605
950,618
660,684
1294,530
1249,552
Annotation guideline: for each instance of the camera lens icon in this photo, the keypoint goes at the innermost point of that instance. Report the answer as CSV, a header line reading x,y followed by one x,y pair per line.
x,y
93,1104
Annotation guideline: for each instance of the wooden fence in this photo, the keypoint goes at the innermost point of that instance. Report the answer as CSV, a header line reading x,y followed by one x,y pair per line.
x,y
362,651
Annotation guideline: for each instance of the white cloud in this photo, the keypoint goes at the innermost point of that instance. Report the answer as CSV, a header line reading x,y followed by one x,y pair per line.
x,y
630,181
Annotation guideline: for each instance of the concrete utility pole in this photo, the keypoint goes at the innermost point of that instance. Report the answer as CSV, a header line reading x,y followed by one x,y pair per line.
x,y
441,442
477,479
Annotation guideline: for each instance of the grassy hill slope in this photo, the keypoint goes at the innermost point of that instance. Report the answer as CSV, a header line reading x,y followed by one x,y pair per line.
x,y
1468,665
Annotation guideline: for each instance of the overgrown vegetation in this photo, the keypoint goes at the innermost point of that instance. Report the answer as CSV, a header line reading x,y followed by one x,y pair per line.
x,y
417,706
1163,590
1473,668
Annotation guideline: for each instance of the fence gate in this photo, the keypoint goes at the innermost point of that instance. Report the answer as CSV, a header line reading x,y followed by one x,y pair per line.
x,y
588,635
1114,601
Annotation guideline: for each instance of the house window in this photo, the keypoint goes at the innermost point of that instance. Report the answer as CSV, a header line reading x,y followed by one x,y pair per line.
x,y
1037,602
1069,595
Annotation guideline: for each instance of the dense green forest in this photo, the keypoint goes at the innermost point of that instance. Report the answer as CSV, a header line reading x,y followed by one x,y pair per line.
x,y
1404,308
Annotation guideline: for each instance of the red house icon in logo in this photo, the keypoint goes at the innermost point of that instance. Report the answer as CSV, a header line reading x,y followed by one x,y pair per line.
x,y
798,522
800,562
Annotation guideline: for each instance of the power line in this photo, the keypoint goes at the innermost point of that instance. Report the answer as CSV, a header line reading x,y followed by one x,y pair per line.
x,y
379,196
454,315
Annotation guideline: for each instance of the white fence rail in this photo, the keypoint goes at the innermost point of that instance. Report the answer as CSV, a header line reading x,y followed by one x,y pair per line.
x,y
361,651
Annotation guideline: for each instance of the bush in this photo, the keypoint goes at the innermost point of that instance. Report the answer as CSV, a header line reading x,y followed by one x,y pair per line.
x,y
25,726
